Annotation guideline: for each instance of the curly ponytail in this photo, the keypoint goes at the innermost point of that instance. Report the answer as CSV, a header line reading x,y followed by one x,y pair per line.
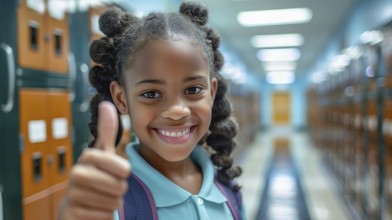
x,y
112,23
222,127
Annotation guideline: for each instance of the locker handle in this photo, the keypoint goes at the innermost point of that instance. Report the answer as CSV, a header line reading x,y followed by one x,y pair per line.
x,y
85,103
72,75
11,78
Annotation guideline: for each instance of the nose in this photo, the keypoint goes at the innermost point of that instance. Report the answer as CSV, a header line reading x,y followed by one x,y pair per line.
x,y
176,111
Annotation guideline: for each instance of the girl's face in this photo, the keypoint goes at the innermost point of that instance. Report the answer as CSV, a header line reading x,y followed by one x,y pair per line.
x,y
169,96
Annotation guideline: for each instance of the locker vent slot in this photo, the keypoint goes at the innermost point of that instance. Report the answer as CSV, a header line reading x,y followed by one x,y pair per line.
x,y
61,161
37,167
58,42
33,36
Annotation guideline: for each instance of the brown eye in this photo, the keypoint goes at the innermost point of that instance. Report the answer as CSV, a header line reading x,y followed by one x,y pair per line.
x,y
193,90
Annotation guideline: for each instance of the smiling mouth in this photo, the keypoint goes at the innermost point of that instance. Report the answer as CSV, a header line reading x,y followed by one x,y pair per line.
x,y
175,136
171,133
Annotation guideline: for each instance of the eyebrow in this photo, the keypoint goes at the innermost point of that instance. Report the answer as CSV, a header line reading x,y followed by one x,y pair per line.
x,y
161,82
151,81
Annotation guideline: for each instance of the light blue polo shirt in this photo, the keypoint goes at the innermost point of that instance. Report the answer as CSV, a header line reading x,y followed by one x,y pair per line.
x,y
172,201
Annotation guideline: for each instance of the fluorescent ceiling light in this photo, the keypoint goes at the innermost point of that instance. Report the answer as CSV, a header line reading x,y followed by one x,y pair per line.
x,y
277,40
353,52
271,55
280,77
279,66
371,37
318,77
338,64
275,17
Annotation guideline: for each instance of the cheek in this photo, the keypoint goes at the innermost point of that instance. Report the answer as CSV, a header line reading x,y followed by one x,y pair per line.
x,y
204,109
140,114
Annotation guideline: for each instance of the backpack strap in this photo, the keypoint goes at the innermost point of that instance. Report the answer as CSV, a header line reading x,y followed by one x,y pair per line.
x,y
138,202
234,198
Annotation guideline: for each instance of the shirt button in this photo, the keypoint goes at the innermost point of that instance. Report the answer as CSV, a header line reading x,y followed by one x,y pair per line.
x,y
200,201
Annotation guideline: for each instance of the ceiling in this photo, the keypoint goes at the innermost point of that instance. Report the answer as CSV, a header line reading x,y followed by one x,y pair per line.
x,y
328,16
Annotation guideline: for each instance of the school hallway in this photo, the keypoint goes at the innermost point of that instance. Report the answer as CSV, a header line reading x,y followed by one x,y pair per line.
x,y
309,86
285,177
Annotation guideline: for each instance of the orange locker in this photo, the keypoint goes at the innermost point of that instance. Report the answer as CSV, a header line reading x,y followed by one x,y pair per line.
x,y
359,156
37,207
59,119
373,181
372,178
387,131
43,41
58,45
31,38
46,156
33,131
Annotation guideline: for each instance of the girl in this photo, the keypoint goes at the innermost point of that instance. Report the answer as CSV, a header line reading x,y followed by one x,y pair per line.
x,y
162,70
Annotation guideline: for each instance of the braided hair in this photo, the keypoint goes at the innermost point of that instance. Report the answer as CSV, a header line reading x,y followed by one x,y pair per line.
x,y
126,34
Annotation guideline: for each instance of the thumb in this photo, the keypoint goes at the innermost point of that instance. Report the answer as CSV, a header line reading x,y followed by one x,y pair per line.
x,y
107,127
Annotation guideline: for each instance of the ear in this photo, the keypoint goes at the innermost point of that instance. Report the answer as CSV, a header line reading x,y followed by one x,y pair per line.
x,y
214,88
119,97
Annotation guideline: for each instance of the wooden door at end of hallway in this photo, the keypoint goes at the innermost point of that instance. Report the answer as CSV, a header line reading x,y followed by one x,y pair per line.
x,y
281,108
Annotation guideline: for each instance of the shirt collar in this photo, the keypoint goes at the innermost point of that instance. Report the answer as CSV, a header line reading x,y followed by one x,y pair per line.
x,y
165,192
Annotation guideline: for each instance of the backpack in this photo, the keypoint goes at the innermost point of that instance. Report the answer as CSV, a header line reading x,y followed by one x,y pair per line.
x,y
139,203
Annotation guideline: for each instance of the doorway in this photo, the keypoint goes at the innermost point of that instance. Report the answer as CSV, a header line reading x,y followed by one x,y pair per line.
x,y
281,108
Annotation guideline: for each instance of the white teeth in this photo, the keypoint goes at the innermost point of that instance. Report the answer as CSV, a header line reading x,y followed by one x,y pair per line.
x,y
174,134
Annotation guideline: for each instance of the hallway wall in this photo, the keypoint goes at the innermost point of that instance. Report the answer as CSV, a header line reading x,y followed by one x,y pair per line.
x,y
367,15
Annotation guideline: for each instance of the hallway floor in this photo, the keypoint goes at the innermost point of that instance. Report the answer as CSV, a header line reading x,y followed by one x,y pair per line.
x,y
284,178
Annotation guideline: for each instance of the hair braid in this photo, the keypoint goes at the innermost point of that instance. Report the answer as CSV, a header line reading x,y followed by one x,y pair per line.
x,y
222,128
112,23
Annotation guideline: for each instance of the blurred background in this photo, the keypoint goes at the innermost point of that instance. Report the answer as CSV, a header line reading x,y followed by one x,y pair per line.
x,y
310,87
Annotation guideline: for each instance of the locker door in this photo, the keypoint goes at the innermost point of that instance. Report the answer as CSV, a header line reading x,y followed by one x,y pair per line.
x,y
58,47
59,123
31,36
35,172
60,150
9,130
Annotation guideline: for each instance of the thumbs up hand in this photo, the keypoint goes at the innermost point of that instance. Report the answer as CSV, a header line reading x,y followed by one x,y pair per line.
x,y
98,181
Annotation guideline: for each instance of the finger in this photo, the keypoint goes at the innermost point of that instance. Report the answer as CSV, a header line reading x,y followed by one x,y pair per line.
x,y
107,127
90,177
90,199
79,212
110,163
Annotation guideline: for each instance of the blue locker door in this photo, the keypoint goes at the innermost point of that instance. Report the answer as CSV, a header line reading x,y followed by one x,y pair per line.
x,y
10,181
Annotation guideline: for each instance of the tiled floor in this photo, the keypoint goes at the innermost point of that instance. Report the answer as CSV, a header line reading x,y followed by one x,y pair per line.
x,y
283,196
322,200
